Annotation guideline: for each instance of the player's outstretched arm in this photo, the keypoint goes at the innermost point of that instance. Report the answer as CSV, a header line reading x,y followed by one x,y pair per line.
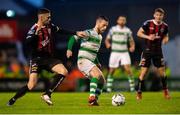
x,y
132,44
32,36
142,34
107,42
165,39
71,42
68,32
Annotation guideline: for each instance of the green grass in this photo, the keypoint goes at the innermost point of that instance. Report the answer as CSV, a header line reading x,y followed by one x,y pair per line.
x,y
74,103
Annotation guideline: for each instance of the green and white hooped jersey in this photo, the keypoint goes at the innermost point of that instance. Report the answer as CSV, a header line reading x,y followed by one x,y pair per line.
x,y
89,46
120,37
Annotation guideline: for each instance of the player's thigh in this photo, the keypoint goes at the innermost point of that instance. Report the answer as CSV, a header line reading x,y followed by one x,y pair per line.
x,y
85,66
145,60
114,60
125,59
60,69
33,78
158,61
96,72
127,68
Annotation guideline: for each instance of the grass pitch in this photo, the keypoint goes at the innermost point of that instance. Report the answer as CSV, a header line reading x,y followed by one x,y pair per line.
x,y
76,103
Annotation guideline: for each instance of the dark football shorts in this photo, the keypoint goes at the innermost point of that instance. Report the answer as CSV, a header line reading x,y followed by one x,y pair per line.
x,y
39,63
155,57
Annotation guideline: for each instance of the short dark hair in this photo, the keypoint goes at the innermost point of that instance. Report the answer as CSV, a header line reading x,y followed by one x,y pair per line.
x,y
103,18
43,11
159,10
122,16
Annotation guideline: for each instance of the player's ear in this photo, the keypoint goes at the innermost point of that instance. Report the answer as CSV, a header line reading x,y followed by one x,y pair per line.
x,y
40,17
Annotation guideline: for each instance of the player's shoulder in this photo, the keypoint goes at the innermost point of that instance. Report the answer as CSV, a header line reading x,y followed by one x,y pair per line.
x,y
147,22
52,25
114,27
127,29
88,31
165,24
33,29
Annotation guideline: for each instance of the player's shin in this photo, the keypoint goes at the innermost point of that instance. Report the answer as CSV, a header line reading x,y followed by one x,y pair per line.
x,y
164,82
19,94
139,89
139,85
165,88
93,86
99,90
131,83
109,82
57,80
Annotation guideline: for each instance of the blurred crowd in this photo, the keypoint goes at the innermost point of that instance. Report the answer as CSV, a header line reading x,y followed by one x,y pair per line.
x,y
12,65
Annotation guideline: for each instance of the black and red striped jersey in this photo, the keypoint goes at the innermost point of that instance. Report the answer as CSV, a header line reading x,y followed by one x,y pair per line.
x,y
159,30
42,44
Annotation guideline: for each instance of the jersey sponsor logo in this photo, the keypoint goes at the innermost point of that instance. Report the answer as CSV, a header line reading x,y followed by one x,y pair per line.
x,y
162,30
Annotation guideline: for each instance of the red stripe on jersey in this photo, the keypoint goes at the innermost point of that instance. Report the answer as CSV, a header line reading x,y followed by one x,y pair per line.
x,y
40,36
48,48
156,30
45,37
151,28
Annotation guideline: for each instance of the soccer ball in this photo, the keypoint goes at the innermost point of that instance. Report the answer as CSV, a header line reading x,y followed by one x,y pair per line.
x,y
118,99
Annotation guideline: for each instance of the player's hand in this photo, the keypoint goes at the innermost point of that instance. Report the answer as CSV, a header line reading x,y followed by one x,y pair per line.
x,y
81,34
132,49
99,65
69,53
38,28
108,46
151,37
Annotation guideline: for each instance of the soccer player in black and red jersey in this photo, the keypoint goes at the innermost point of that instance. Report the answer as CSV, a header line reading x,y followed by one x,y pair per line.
x,y
155,33
41,43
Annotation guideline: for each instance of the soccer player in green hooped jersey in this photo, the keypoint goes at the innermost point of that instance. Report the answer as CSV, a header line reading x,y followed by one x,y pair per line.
x,y
87,57
117,39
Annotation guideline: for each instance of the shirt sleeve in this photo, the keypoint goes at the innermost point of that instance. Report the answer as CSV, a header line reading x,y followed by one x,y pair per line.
x,y
145,26
129,34
31,36
109,35
59,30
87,33
166,30
71,42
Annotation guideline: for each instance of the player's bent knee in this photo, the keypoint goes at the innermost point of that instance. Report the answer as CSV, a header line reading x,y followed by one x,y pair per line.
x,y
60,69
31,86
63,71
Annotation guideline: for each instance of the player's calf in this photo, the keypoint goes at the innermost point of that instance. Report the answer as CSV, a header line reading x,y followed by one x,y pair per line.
x,y
19,94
